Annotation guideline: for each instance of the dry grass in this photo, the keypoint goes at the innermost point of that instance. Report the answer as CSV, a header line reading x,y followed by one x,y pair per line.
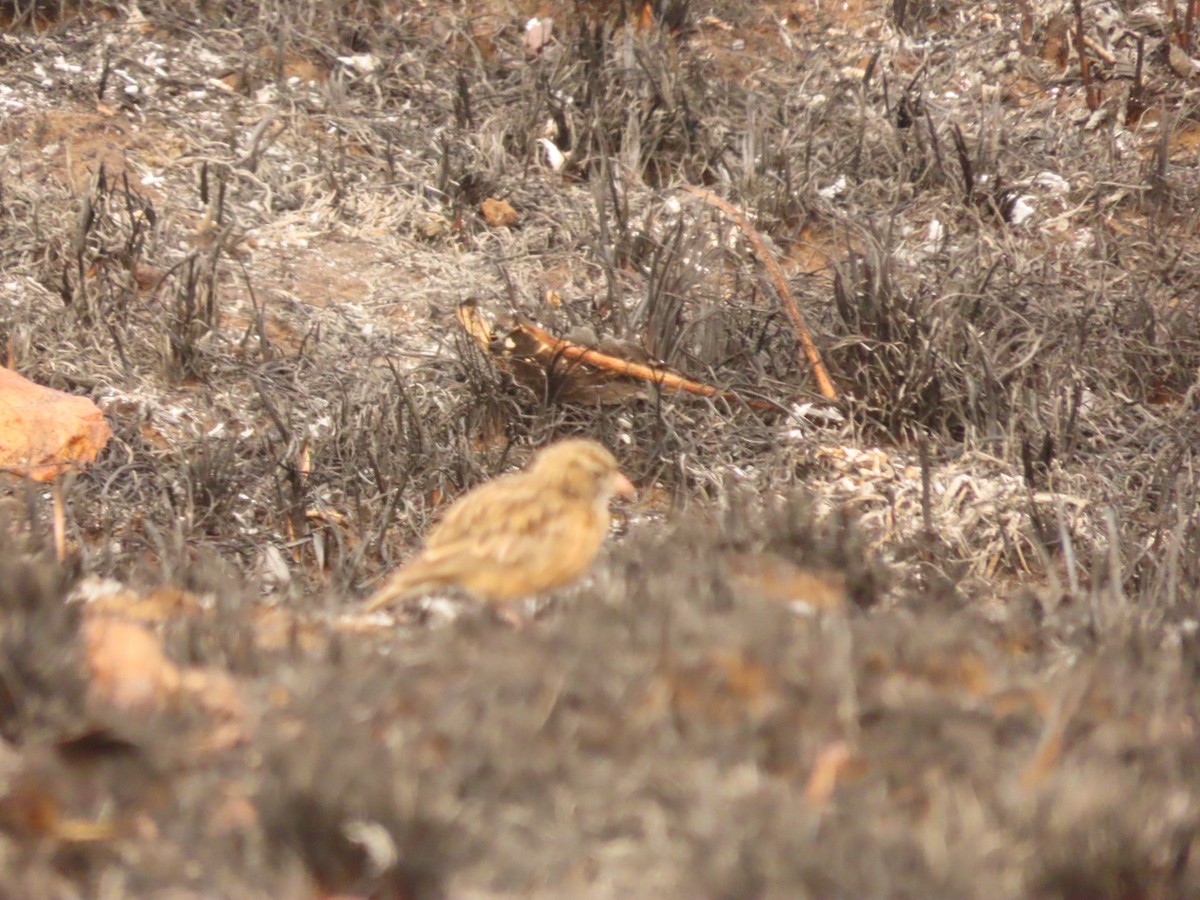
x,y
244,228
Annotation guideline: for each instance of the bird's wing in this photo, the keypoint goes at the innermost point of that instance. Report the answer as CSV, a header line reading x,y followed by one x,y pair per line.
x,y
478,510
510,528
506,538
459,543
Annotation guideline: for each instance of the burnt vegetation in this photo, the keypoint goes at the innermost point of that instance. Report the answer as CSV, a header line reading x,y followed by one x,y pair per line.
x,y
936,637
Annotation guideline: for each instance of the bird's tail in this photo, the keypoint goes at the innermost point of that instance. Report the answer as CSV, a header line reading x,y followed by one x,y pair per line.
x,y
410,581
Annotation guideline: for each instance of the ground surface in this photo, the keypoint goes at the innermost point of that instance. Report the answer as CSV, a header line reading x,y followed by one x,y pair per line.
x,y
936,638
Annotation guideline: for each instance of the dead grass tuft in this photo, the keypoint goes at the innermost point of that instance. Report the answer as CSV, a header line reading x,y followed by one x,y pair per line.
x,y
935,636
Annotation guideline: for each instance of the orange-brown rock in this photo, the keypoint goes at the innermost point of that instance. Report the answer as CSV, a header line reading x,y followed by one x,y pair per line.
x,y
129,670
498,213
127,665
43,432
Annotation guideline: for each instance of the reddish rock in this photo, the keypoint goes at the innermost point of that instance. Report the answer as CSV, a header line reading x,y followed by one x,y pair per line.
x,y
127,665
43,432
129,670
498,213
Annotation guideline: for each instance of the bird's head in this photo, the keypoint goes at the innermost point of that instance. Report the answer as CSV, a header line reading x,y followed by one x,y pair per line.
x,y
582,468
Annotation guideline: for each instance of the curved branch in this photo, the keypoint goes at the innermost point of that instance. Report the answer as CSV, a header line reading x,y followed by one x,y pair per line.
x,y
803,335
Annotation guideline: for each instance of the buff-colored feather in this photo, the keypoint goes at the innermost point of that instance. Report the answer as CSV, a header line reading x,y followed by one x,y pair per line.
x,y
520,534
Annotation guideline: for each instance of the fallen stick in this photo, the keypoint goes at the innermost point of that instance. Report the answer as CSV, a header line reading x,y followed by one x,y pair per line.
x,y
1100,50
803,335
667,380
548,349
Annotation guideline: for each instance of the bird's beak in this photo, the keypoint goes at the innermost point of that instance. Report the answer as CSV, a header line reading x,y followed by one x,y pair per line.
x,y
622,486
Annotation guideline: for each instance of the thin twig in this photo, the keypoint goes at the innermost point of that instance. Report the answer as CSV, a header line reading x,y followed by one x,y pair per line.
x,y
1100,50
1085,68
1051,745
803,335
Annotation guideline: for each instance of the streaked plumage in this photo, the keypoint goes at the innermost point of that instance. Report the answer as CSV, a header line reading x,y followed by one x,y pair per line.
x,y
519,534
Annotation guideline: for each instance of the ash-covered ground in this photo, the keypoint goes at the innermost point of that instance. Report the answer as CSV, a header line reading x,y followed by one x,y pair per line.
x,y
934,637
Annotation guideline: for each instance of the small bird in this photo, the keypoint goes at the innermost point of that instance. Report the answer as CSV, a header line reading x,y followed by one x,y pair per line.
x,y
520,534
